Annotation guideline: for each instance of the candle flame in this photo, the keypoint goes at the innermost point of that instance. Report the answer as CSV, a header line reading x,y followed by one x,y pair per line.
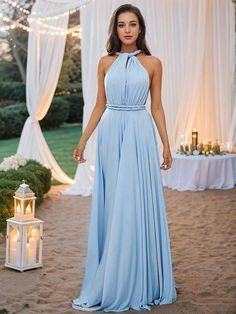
x,y
28,209
18,208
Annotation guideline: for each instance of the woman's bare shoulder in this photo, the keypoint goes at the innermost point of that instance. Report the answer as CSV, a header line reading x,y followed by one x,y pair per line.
x,y
106,61
151,63
152,60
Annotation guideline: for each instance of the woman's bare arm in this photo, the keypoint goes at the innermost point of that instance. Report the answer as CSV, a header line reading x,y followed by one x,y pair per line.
x,y
100,104
158,111
99,108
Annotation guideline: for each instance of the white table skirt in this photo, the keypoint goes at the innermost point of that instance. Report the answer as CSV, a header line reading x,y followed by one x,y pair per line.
x,y
197,173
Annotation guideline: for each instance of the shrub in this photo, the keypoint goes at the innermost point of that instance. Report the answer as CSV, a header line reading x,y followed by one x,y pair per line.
x,y
44,174
57,114
2,125
12,91
76,107
36,176
14,117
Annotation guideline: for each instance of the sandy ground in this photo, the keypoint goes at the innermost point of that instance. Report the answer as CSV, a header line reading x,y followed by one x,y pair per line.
x,y
202,228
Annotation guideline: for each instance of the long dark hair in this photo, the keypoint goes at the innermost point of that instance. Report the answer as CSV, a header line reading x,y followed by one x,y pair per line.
x,y
113,44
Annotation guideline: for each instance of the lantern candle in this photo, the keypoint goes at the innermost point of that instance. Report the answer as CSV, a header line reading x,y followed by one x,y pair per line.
x,y
14,250
28,209
18,208
27,253
32,250
194,138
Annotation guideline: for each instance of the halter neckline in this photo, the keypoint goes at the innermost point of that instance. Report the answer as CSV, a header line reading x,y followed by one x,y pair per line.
x,y
129,53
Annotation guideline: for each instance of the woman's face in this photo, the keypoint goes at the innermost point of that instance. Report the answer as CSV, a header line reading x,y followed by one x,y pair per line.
x,y
128,28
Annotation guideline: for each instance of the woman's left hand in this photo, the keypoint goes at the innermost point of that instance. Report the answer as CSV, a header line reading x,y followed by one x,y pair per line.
x,y
167,159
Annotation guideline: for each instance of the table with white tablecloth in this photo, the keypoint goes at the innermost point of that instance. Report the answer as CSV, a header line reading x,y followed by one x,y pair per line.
x,y
197,173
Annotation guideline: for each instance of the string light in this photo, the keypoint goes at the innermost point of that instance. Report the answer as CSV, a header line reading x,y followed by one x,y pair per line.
x,y
75,31
53,30
55,17
14,4
14,24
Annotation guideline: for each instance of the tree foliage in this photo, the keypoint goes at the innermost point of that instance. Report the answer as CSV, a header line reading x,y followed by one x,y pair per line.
x,y
13,50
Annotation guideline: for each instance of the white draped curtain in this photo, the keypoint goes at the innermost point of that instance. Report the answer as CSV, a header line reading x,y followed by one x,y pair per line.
x,y
44,61
195,41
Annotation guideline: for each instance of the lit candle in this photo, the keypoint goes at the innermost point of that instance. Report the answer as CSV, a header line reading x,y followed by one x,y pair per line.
x,y
200,147
205,147
216,147
209,144
32,250
18,208
27,253
229,147
222,146
14,250
28,209
182,144
186,146
194,138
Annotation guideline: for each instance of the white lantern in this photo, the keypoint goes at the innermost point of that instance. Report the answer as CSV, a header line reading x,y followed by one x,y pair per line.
x,y
24,244
24,203
24,240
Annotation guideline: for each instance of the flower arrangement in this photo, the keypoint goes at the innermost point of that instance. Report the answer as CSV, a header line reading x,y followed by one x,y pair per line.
x,y
12,162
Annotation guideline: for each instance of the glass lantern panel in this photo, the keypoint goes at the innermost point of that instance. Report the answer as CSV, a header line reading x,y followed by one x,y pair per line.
x,y
32,244
28,207
17,206
14,245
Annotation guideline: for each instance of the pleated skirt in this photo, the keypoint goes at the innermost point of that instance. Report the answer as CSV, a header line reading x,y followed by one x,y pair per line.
x,y
128,263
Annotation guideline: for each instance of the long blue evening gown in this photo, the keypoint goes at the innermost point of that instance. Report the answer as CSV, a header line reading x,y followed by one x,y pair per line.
x,y
128,263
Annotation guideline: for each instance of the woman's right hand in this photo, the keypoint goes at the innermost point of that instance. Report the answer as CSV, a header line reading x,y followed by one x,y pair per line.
x,y
78,154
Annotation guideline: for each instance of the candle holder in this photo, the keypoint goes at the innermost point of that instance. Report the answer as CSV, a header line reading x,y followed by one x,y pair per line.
x,y
194,139
209,144
24,233
216,147
200,147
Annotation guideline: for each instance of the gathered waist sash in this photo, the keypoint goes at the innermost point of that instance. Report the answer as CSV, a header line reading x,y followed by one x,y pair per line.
x,y
125,107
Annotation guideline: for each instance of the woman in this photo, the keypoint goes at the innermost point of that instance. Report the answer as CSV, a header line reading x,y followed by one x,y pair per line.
x,y
128,263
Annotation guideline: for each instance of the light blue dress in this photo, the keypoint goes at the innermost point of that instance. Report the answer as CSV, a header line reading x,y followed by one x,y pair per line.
x,y
128,263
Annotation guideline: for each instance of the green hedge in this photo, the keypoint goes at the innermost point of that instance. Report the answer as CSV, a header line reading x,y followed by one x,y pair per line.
x,y
76,107
2,125
12,118
12,91
35,175
57,114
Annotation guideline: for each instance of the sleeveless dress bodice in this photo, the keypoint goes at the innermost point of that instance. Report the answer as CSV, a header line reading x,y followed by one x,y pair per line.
x,y
126,82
